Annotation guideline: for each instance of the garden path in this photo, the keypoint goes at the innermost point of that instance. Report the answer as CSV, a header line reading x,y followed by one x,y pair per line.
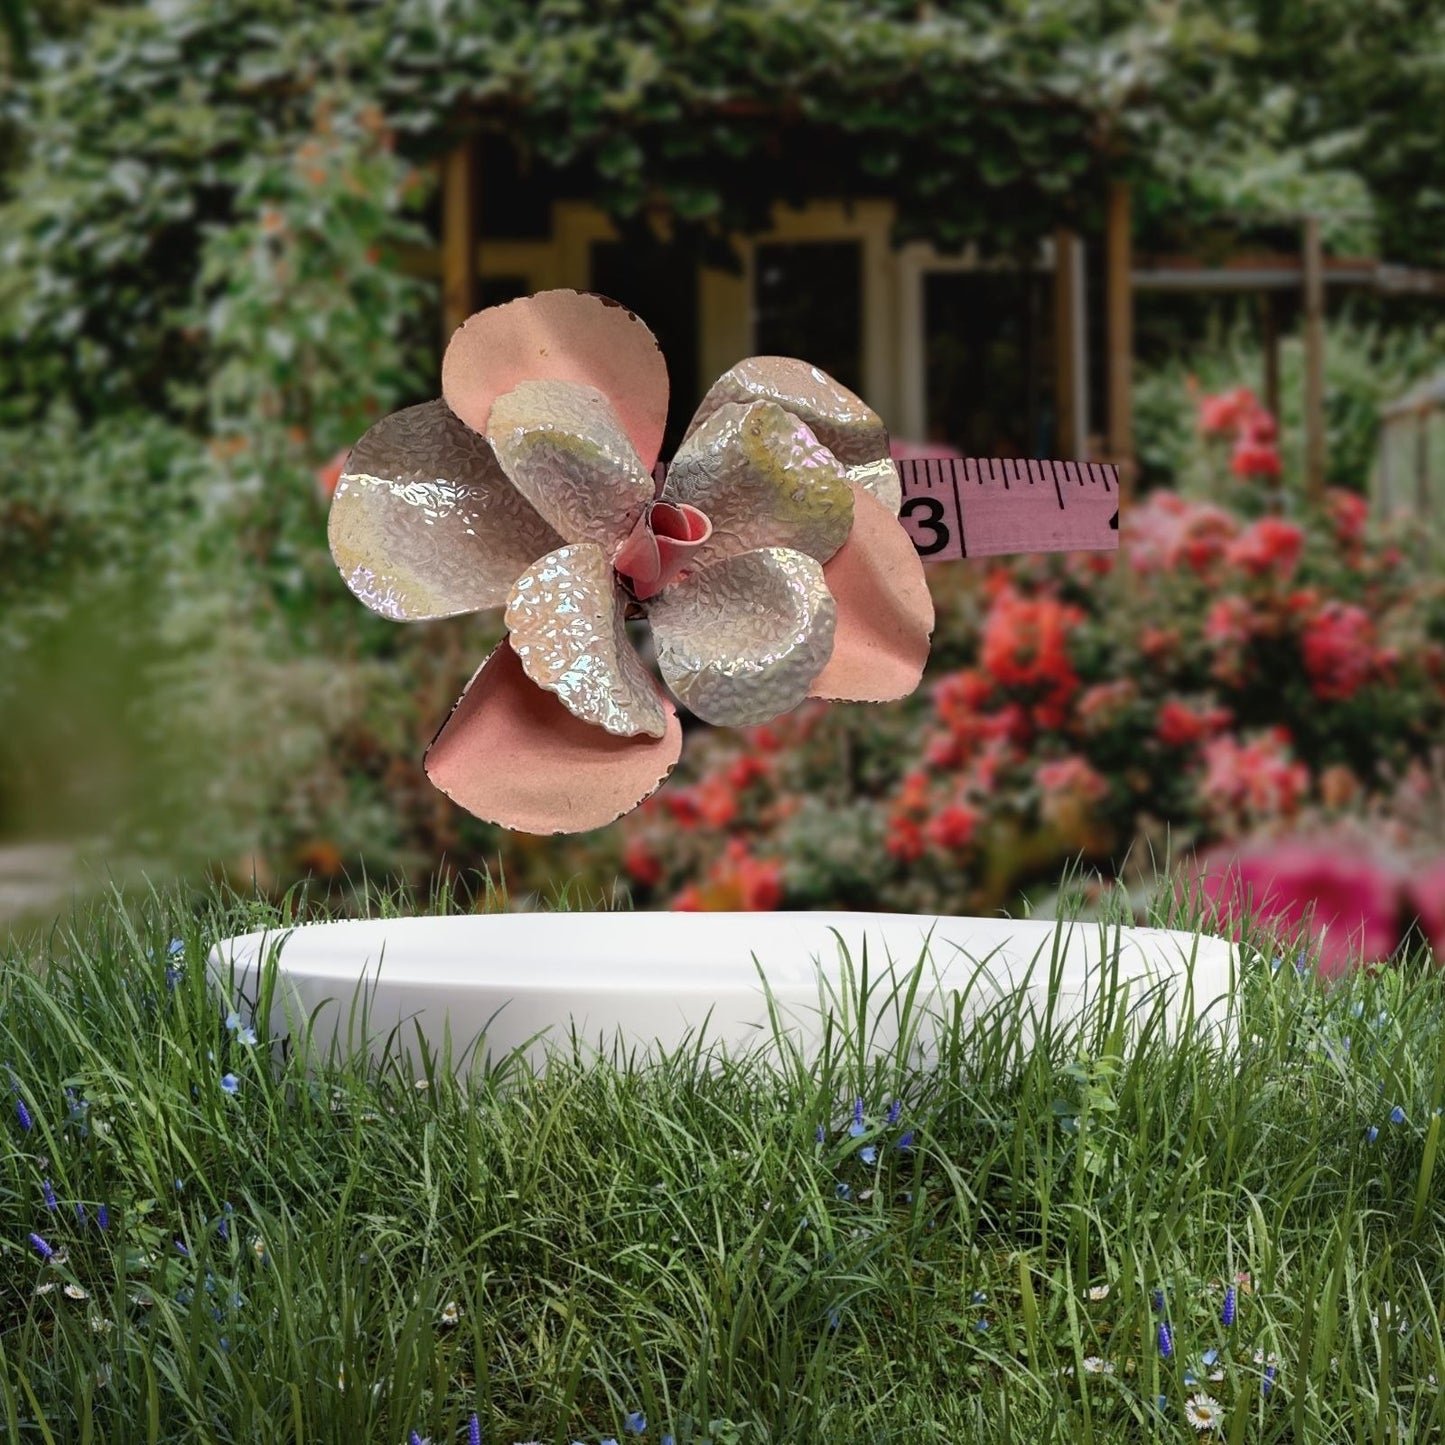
x,y
35,879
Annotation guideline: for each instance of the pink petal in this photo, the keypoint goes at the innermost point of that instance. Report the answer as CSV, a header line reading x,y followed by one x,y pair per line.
x,y
564,336
885,611
664,541
511,754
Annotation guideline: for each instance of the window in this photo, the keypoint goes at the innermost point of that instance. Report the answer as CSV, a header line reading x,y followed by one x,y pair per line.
x,y
808,300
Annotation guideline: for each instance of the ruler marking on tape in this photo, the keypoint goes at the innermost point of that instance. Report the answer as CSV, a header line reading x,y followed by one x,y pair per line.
x,y
973,507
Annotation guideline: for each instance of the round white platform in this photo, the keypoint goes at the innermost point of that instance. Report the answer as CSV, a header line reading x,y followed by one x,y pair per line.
x,y
639,981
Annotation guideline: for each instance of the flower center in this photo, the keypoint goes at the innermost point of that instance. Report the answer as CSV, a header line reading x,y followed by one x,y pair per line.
x,y
660,546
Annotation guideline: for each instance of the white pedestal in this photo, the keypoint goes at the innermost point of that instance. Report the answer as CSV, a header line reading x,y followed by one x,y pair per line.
x,y
637,981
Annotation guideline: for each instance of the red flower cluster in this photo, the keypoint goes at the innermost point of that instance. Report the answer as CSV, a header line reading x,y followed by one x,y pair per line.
x,y
1339,651
1024,649
1240,414
1246,783
738,882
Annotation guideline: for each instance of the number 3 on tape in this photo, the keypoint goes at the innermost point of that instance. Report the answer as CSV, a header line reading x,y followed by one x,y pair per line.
x,y
984,507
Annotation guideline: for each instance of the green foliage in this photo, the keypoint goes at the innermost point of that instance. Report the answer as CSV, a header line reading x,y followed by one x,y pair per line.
x,y
143,136
1367,365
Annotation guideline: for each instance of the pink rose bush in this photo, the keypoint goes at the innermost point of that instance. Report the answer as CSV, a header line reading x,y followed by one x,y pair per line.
x,y
1227,683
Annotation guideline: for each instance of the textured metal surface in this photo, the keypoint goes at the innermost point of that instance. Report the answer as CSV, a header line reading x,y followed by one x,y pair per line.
x,y
764,480
562,445
880,479
424,523
843,422
741,641
567,622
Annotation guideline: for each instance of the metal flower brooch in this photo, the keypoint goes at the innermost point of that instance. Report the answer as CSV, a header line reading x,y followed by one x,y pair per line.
x,y
770,563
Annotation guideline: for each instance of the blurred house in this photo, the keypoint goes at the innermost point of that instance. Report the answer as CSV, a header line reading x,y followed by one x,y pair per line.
x,y
984,358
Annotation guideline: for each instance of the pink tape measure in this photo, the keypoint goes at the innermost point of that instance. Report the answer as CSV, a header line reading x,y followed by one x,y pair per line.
x,y
957,507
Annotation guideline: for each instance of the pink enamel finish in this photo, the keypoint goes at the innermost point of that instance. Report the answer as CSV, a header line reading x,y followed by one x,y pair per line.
x,y
510,753
563,336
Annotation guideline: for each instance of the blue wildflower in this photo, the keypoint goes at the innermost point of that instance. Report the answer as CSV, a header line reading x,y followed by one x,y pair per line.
x,y
868,1154
175,946
49,1193
894,1110
1166,1341
1158,1301
180,1185
841,1190
979,1296
474,1430
1372,1133
1268,1383
247,1036
981,1326
635,1423
906,1142
23,1114
1210,1357
181,1249
41,1248
413,1438
818,1134
230,1083
1227,1313
834,1318
1397,1115
102,1218
233,1021
856,1127
80,1214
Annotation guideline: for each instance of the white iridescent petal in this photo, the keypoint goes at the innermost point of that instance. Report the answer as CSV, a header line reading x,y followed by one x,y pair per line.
x,y
566,452
424,523
567,622
742,640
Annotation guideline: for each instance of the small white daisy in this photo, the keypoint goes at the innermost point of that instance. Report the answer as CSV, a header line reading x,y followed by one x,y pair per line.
x,y
341,1378
74,1291
59,1258
99,1325
1097,1365
451,1312
258,1247
1203,1412
1260,1358
46,1287
1098,1292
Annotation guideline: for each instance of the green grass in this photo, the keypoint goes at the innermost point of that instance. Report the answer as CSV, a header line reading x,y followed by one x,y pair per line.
x,y
672,1238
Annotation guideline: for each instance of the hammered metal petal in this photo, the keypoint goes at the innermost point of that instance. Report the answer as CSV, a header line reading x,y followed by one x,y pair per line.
x,y
565,450
844,423
567,619
741,641
424,522
880,479
764,480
